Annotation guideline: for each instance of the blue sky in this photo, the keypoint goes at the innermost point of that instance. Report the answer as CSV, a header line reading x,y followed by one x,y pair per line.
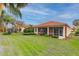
x,y
36,13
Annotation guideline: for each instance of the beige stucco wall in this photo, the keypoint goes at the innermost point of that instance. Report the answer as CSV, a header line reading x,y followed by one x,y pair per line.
x,y
36,32
22,29
68,31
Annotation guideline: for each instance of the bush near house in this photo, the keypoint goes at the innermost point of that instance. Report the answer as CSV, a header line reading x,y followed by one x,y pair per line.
x,y
28,31
6,33
77,32
54,36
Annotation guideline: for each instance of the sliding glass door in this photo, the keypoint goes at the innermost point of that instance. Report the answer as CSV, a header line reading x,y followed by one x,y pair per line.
x,y
58,31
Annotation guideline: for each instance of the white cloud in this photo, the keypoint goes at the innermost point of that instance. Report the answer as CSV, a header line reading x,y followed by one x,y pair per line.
x,y
66,16
40,11
34,11
70,12
37,11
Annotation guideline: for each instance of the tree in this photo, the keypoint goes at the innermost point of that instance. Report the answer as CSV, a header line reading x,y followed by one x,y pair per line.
x,y
14,8
8,18
5,20
76,22
8,23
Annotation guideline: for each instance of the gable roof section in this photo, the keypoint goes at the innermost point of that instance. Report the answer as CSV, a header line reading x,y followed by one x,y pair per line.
x,y
51,24
21,24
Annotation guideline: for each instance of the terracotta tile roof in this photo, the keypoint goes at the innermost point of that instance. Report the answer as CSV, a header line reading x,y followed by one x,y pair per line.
x,y
51,24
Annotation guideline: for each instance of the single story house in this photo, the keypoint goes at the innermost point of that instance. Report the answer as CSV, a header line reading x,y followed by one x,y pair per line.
x,y
20,26
59,29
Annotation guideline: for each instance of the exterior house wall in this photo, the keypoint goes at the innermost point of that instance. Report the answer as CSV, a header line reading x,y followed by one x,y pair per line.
x,y
22,29
36,30
19,28
68,31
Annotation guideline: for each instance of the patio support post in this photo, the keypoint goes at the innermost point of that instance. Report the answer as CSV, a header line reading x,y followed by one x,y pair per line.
x,y
53,32
47,30
36,31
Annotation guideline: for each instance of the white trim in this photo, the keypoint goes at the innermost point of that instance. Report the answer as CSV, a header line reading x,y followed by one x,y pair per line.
x,y
36,32
62,37
47,30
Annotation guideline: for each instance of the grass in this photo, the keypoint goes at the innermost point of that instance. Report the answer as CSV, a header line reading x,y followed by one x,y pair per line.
x,y
34,45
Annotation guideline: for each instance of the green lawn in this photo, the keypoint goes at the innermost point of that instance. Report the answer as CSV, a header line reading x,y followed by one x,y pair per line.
x,y
34,45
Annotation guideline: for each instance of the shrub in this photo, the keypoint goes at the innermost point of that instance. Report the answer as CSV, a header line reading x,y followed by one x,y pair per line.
x,y
54,36
77,32
28,31
5,33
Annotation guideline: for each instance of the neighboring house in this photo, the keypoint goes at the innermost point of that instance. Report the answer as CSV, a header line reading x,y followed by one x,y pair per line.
x,y
59,29
20,26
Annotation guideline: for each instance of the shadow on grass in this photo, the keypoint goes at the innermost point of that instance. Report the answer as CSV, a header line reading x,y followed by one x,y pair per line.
x,y
5,33
28,34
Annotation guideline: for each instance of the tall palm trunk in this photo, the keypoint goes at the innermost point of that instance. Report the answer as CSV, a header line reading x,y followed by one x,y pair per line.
x,y
1,8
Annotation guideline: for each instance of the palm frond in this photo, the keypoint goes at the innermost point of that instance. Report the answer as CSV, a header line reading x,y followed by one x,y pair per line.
x,y
3,13
21,5
14,10
1,6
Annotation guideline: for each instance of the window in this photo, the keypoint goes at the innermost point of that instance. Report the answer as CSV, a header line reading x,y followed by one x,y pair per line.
x,y
42,30
58,31
61,31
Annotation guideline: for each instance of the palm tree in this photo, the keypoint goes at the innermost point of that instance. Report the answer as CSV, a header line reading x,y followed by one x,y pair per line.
x,y
14,8
8,24
2,15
